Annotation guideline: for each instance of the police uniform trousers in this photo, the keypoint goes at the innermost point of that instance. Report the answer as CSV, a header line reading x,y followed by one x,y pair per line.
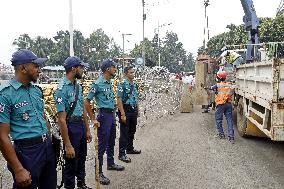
x,y
227,110
106,136
37,156
76,166
128,129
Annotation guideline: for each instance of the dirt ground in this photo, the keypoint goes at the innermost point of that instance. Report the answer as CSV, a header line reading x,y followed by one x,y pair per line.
x,y
181,151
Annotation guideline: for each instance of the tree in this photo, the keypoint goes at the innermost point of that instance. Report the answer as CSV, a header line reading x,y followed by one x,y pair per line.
x,y
100,46
173,55
270,30
23,42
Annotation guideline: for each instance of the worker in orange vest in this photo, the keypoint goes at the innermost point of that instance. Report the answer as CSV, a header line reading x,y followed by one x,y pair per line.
x,y
223,99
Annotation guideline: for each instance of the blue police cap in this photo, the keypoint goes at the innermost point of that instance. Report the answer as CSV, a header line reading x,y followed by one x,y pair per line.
x,y
23,56
73,61
107,63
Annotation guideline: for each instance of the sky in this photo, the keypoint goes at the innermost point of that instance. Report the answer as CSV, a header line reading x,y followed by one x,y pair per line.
x,y
116,17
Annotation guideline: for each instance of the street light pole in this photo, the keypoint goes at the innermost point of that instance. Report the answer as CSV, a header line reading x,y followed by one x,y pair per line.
x,y
159,53
71,48
123,36
143,45
206,27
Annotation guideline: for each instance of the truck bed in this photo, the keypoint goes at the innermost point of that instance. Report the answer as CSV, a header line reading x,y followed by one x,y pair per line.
x,y
260,85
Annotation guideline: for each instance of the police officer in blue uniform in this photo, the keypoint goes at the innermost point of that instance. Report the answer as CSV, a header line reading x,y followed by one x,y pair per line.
x,y
31,160
73,123
102,90
127,101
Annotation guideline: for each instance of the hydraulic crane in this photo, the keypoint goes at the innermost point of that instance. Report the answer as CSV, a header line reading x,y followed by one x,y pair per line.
x,y
251,22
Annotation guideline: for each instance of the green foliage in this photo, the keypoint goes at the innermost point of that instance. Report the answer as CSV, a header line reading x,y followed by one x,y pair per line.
x,y
99,46
172,54
270,30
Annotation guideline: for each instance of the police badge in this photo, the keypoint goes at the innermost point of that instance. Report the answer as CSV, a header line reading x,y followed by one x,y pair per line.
x,y
25,116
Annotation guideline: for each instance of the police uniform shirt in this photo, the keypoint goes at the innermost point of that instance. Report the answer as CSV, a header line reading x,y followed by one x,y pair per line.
x,y
128,92
23,108
102,90
64,97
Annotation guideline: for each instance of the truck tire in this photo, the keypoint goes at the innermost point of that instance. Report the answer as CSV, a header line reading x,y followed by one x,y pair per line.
x,y
241,119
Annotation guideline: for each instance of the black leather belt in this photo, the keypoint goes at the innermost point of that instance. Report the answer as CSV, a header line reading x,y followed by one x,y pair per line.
x,y
106,110
75,119
32,141
130,108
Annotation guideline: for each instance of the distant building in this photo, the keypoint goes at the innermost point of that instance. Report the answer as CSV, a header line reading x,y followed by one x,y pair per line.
x,y
53,73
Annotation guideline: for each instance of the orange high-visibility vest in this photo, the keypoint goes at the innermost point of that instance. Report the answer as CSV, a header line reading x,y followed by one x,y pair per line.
x,y
225,92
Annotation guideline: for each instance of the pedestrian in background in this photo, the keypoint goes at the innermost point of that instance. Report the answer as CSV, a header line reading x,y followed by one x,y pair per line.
x,y
73,123
31,160
223,100
102,91
127,102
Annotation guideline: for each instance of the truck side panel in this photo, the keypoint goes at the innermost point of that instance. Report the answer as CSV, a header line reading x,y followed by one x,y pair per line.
x,y
261,85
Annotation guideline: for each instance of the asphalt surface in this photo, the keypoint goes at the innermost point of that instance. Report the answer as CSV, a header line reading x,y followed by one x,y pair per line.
x,y
182,152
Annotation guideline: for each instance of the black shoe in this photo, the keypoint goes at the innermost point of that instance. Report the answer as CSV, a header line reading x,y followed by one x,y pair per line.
x,y
221,136
134,151
205,111
115,167
82,185
231,140
124,158
103,179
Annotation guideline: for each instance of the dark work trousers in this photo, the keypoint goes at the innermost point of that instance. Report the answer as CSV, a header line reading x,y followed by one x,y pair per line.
x,y
127,132
106,137
226,109
39,160
76,166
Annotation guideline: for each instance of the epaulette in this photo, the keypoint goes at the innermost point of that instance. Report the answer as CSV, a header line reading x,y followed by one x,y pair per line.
x,y
3,86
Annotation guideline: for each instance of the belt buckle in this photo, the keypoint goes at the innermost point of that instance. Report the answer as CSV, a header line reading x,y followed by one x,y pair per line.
x,y
44,137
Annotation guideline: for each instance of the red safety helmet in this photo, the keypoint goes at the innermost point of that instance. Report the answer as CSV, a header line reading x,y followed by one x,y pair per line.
x,y
222,75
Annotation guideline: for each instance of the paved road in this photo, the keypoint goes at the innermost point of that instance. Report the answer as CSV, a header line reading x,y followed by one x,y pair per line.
x,y
183,152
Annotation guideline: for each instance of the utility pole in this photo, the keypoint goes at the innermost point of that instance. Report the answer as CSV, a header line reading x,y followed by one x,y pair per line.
x,y
71,48
206,28
280,8
123,36
158,33
159,53
143,40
